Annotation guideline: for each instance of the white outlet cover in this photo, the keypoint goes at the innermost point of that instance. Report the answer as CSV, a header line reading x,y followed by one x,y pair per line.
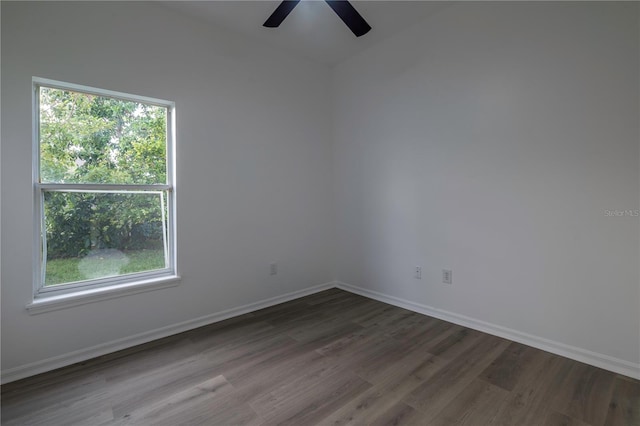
x,y
447,276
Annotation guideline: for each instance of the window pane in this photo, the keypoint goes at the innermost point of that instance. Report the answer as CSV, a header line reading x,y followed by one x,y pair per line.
x,y
92,235
96,139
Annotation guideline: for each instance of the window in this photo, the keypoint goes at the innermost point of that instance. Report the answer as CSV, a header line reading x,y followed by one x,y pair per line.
x,y
104,189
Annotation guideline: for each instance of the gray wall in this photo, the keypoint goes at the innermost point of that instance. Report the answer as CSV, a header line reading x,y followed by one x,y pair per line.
x,y
253,164
490,140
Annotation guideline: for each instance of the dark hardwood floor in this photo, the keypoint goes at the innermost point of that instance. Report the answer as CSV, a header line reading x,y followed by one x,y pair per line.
x,y
332,358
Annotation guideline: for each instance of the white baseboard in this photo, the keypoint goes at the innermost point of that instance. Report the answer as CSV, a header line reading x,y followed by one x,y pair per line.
x,y
606,362
64,360
588,357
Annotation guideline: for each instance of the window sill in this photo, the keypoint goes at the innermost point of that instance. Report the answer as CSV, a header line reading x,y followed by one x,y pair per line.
x,y
82,297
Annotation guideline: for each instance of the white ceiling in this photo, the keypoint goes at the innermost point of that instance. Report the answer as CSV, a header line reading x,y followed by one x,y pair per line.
x,y
312,29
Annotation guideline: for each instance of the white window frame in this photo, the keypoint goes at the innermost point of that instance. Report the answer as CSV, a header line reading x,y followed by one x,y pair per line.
x,y
51,297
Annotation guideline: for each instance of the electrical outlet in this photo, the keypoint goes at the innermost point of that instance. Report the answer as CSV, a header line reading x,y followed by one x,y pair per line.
x,y
418,273
447,276
273,268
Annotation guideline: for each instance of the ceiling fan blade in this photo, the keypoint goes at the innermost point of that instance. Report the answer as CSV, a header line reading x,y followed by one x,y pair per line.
x,y
281,12
350,16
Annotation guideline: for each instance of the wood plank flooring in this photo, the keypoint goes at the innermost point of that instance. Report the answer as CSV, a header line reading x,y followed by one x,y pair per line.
x,y
333,358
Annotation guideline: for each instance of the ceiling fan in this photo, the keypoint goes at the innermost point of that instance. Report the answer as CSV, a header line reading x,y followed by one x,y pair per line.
x,y
342,8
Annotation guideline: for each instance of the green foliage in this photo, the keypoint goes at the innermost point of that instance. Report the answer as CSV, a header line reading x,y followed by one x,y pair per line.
x,y
94,139
78,223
